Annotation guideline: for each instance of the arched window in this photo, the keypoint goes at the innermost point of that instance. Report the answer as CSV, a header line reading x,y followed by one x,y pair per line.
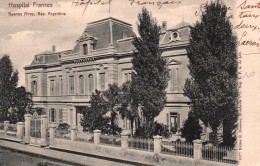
x,y
85,49
34,88
81,84
90,83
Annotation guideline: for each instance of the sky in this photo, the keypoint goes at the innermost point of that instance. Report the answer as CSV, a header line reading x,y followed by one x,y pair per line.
x,y
22,37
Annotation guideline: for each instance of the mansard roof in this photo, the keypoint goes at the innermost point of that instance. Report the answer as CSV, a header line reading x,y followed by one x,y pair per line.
x,y
110,36
106,32
48,57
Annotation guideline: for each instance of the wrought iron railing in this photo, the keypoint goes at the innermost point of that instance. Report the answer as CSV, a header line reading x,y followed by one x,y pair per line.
x,y
177,148
141,144
111,140
220,154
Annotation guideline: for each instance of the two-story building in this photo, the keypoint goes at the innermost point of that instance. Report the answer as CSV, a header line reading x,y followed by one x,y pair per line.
x,y
62,82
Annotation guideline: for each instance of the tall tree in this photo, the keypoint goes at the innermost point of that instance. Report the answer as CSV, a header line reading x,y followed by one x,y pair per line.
x,y
151,74
112,97
8,83
129,106
212,55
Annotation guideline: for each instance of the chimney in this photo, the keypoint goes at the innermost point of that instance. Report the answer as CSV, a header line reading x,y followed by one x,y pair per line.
x,y
53,48
164,26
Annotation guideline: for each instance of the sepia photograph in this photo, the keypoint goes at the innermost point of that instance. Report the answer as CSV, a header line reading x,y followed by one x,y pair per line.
x,y
129,82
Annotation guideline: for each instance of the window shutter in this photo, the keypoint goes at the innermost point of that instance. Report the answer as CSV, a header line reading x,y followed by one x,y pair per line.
x,y
60,115
178,121
175,80
49,115
55,112
168,120
57,89
171,80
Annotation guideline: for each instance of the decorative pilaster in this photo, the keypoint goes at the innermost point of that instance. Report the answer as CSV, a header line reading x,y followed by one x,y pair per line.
x,y
157,144
20,129
52,134
124,143
97,134
197,150
44,124
73,133
6,123
27,125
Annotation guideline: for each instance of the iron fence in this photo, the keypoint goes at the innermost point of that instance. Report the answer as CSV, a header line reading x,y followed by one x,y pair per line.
x,y
177,148
62,134
89,138
220,154
141,144
111,140
12,127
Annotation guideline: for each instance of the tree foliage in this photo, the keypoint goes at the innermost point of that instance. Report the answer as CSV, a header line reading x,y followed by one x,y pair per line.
x,y
112,99
151,75
10,94
94,117
212,55
128,105
191,128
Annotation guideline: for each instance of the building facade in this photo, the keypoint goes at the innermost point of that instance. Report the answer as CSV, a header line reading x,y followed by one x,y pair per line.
x,y
62,82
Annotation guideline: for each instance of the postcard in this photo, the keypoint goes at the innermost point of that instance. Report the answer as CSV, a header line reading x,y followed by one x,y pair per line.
x,y
129,82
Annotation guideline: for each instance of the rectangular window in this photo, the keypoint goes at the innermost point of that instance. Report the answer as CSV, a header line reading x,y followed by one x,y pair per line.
x,y
60,115
174,82
174,122
71,84
102,80
52,88
52,115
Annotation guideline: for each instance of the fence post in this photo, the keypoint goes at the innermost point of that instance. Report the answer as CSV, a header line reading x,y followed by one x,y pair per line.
x,y
157,144
20,127
73,133
52,134
97,134
6,123
197,150
124,143
44,130
27,125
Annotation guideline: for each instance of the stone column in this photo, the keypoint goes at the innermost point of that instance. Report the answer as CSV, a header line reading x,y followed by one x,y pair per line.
x,y
6,123
74,116
44,124
97,134
52,134
73,133
124,143
20,129
27,126
197,149
157,144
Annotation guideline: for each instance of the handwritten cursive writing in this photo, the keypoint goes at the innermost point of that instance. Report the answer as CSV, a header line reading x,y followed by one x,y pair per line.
x,y
90,2
158,3
243,42
243,25
244,5
203,7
